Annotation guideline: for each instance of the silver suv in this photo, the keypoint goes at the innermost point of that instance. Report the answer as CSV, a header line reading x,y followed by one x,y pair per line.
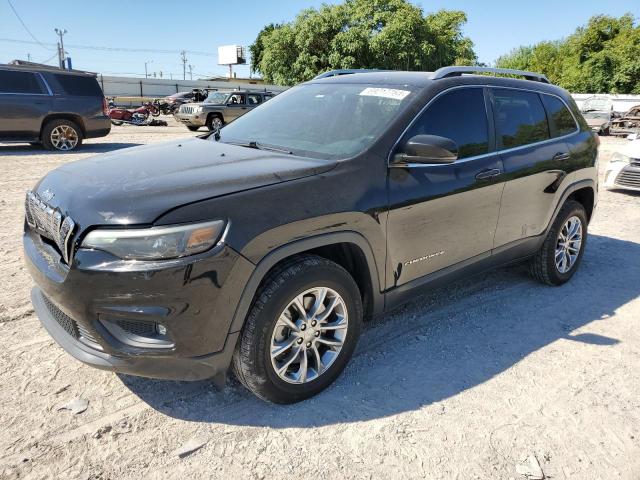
x,y
219,108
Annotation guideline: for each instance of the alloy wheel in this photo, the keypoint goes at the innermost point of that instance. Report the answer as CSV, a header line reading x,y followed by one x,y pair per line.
x,y
309,335
216,124
64,137
568,244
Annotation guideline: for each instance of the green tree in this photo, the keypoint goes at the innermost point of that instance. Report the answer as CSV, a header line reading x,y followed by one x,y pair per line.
x,y
383,34
600,57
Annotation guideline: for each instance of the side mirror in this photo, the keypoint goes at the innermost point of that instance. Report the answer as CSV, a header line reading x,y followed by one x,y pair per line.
x,y
427,149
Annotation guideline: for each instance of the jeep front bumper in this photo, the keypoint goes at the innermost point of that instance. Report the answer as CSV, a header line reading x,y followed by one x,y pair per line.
x,y
167,320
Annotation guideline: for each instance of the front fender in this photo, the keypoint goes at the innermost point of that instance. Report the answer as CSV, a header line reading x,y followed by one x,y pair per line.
x,y
299,246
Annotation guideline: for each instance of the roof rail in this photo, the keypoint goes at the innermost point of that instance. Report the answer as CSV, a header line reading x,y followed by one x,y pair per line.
x,y
345,71
446,72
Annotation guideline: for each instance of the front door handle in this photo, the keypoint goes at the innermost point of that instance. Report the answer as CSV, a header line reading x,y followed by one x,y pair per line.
x,y
490,173
561,156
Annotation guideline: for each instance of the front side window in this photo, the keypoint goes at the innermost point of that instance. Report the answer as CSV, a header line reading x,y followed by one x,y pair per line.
x,y
519,117
561,121
19,82
237,99
459,115
322,120
254,99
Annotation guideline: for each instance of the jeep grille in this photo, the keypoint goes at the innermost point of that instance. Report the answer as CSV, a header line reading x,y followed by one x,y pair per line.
x,y
49,223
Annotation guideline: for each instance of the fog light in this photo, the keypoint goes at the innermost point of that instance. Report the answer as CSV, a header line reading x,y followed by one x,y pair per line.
x,y
162,330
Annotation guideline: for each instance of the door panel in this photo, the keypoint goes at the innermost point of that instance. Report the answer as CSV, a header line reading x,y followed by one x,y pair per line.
x,y
531,132
442,214
529,194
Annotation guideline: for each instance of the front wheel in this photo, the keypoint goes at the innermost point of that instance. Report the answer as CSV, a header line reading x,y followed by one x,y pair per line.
x,y
300,332
214,123
561,253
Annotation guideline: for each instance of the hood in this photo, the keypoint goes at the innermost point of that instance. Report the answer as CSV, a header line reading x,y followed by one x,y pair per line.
x,y
595,121
137,185
631,149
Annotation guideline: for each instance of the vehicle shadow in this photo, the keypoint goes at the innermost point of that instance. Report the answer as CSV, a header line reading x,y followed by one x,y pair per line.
x,y
437,346
17,150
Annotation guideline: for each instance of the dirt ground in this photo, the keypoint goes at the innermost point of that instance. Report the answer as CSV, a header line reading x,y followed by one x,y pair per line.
x,y
484,379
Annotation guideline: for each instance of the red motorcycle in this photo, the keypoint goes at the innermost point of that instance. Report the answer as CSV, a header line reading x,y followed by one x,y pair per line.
x,y
139,116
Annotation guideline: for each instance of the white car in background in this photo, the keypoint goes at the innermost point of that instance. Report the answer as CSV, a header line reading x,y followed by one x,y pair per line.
x,y
623,170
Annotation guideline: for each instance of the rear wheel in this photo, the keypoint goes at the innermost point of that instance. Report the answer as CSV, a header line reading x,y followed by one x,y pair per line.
x,y
62,135
300,332
561,253
193,128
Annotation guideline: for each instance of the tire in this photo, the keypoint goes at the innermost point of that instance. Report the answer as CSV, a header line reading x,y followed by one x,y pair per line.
x,y
193,128
61,135
543,266
117,123
214,123
252,362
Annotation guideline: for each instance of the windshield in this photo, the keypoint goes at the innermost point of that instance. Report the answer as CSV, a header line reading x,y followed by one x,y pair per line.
x,y
595,104
216,97
325,120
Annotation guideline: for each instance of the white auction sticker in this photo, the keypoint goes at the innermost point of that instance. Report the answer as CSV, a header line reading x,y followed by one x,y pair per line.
x,y
385,93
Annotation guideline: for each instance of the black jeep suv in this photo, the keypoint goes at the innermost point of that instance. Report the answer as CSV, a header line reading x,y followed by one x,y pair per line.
x,y
58,108
264,246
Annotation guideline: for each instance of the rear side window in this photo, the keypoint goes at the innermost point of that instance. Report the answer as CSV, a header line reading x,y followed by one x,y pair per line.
x,y
19,82
561,121
81,86
459,115
520,118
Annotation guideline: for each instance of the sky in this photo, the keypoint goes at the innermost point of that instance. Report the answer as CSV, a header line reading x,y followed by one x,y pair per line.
x,y
163,28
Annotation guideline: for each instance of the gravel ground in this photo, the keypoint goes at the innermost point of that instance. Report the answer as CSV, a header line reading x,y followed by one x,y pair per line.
x,y
492,377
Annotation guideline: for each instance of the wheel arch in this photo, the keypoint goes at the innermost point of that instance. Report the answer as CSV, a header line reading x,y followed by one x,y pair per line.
x,y
585,196
215,113
348,249
64,116
584,192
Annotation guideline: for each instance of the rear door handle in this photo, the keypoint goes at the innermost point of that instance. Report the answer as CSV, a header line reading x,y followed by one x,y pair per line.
x,y
490,173
561,156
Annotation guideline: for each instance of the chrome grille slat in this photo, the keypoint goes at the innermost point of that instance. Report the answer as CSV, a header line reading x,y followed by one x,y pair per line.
x,y
629,178
49,223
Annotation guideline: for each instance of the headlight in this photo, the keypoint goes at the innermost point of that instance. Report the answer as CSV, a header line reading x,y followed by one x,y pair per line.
x,y
619,157
198,110
156,243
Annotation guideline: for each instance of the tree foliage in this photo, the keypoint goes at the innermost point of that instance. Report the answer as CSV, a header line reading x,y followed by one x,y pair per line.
x,y
601,57
383,34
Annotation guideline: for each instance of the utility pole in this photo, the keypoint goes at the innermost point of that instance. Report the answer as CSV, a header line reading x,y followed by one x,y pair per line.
x,y
28,57
61,54
191,67
183,57
146,75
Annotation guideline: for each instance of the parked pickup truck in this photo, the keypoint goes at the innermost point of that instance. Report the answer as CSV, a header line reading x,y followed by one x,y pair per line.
x,y
219,108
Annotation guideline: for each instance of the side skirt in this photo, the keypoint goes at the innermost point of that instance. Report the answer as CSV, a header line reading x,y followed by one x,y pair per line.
x,y
511,253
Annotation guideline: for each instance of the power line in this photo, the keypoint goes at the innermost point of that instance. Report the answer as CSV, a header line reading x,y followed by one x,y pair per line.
x,y
112,49
25,27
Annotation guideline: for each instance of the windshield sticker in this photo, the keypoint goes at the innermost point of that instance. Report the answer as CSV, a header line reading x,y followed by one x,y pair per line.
x,y
385,93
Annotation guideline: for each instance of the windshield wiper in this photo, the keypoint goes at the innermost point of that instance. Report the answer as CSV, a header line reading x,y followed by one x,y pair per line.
x,y
261,146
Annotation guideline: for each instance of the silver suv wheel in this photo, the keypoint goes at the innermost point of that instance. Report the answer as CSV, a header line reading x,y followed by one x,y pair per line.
x,y
64,137
309,335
